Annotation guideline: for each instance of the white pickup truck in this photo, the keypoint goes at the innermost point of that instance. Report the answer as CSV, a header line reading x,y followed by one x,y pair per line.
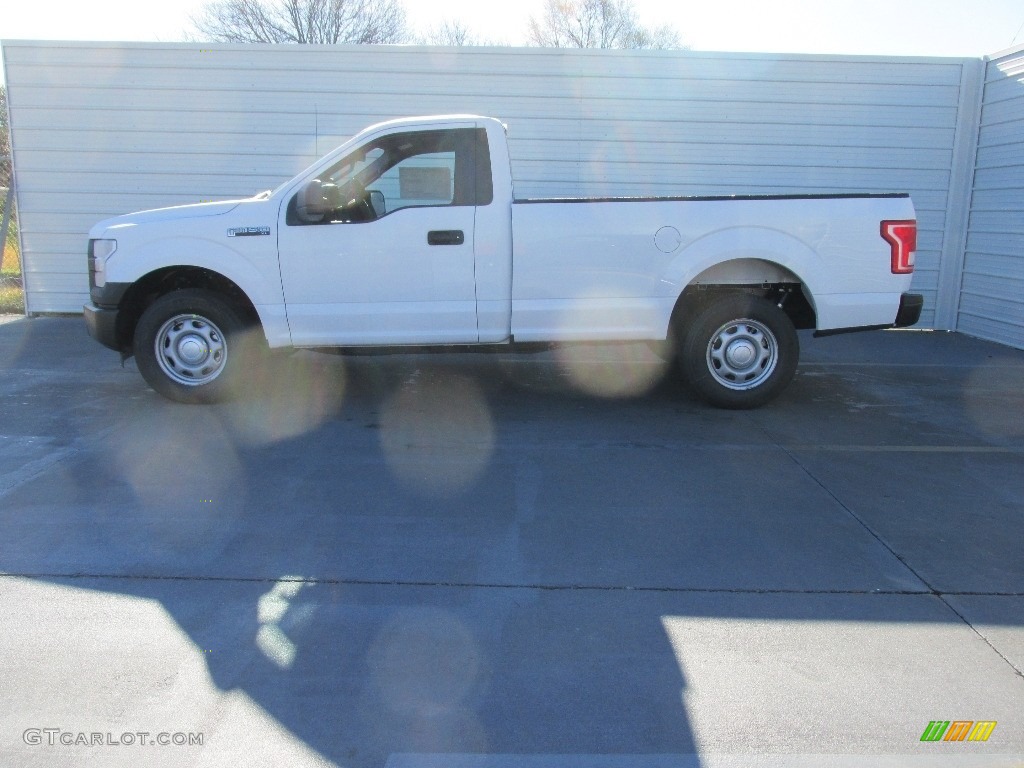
x,y
409,235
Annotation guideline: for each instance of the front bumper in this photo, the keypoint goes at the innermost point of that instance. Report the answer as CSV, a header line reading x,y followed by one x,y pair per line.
x,y
101,322
101,312
910,310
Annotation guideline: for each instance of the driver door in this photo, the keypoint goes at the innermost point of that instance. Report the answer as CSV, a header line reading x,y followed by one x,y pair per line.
x,y
390,261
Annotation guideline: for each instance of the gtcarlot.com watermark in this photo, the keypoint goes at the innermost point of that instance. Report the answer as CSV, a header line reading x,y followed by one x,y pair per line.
x,y
53,737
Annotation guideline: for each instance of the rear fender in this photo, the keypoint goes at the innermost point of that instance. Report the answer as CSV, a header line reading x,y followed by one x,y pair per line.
x,y
747,256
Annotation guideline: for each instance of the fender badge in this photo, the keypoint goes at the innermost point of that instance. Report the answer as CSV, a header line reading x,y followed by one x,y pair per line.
x,y
248,231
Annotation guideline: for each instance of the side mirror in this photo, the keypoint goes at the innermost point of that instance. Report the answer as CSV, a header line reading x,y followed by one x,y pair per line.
x,y
377,201
310,205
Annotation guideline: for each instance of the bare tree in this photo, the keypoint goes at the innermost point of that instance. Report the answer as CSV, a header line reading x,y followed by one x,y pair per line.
x,y
302,21
449,32
456,34
596,24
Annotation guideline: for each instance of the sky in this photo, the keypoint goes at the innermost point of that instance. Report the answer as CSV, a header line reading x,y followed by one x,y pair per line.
x,y
871,27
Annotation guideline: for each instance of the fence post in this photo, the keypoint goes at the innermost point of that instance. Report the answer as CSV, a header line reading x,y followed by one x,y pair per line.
x,y
7,221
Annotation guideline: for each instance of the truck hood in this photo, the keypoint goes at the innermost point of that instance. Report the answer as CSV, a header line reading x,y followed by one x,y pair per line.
x,y
174,213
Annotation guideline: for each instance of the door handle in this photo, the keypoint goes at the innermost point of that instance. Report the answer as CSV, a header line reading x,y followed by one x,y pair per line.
x,y
445,237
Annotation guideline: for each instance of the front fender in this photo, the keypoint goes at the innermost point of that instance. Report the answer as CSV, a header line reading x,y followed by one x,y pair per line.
x,y
182,252
254,272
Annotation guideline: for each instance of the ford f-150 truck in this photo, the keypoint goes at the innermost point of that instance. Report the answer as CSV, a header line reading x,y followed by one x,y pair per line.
x,y
409,235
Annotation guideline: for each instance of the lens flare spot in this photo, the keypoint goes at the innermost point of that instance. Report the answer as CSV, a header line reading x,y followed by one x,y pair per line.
x,y
437,434
172,457
425,661
285,396
611,370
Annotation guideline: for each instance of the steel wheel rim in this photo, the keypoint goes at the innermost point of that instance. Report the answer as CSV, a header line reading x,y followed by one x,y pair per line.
x,y
742,354
191,350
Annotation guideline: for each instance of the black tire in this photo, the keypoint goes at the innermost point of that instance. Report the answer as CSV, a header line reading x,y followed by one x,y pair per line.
x,y
739,352
191,345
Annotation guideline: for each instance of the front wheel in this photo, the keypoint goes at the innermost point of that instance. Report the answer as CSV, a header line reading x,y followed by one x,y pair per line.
x,y
189,345
740,352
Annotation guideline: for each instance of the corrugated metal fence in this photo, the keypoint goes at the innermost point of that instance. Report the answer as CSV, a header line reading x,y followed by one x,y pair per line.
x,y
106,128
992,288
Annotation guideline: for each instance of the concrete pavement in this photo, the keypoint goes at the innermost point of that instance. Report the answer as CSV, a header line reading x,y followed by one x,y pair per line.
x,y
491,560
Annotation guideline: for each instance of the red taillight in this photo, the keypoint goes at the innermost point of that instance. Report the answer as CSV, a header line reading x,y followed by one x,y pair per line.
x,y
902,238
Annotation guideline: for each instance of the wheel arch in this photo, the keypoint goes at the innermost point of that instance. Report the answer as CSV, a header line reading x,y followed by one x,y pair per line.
x,y
151,286
755,260
757,277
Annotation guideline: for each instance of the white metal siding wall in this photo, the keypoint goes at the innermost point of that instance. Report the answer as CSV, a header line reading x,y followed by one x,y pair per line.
x,y
992,291
105,128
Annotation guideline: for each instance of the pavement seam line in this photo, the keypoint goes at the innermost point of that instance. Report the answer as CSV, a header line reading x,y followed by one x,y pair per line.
x,y
931,589
1020,673
35,468
487,585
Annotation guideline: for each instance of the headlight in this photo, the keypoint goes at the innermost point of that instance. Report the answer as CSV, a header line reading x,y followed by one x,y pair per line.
x,y
102,249
99,252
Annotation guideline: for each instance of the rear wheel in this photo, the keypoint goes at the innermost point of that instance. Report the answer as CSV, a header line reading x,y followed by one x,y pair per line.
x,y
739,352
190,345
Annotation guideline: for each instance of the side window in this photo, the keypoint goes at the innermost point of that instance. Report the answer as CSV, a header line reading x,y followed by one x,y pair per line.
x,y
420,179
405,170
